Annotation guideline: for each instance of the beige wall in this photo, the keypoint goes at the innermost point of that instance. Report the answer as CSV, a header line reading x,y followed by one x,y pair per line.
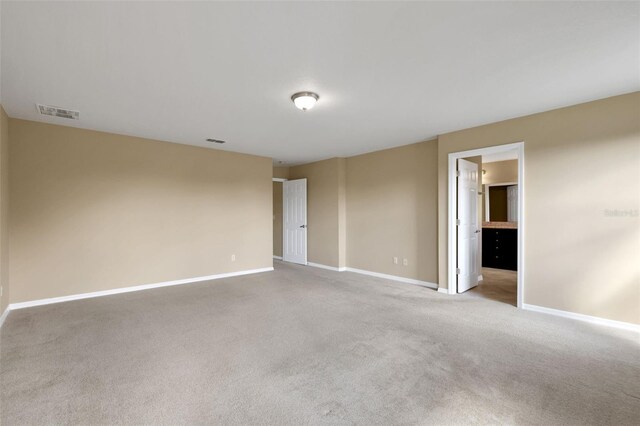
x,y
392,211
323,209
281,172
500,172
94,211
581,163
4,210
277,219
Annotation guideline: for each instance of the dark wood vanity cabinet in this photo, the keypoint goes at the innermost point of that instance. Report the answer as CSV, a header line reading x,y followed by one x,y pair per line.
x,y
500,248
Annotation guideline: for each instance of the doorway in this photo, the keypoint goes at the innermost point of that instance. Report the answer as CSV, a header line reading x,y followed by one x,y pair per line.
x,y
290,220
294,221
480,262
277,217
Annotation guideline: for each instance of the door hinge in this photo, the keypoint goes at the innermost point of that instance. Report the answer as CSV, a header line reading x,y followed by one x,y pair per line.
x,y
457,173
457,222
457,271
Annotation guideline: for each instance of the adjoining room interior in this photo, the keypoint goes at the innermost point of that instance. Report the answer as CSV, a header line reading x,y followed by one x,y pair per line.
x,y
486,222
291,213
498,211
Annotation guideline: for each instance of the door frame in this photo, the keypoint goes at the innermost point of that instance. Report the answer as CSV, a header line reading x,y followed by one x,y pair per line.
x,y
280,180
451,214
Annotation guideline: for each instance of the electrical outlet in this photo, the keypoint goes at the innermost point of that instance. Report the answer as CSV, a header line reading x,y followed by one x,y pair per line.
x,y
233,257
395,260
405,262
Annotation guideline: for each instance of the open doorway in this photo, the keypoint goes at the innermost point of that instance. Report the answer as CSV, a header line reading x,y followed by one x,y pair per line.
x,y
290,220
486,218
277,217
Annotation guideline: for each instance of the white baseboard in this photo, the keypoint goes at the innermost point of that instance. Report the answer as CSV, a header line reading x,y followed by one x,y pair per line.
x,y
331,268
376,274
135,288
4,315
277,257
394,278
443,290
581,317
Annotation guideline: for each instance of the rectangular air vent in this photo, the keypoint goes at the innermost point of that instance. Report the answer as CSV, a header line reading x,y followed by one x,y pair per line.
x,y
58,112
215,140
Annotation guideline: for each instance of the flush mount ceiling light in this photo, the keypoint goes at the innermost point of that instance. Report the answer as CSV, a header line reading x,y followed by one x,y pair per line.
x,y
305,100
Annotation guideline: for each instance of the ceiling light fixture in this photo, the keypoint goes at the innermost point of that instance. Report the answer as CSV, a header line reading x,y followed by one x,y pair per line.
x,y
305,100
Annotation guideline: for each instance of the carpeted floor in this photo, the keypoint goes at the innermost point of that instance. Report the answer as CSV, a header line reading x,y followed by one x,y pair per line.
x,y
308,346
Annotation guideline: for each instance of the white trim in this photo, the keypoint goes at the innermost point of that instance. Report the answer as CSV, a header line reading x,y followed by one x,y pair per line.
x,y
581,317
451,213
480,278
135,288
394,278
4,315
376,274
278,180
331,268
443,290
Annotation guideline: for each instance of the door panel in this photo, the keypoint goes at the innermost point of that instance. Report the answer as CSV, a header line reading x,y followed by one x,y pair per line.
x,y
294,218
468,228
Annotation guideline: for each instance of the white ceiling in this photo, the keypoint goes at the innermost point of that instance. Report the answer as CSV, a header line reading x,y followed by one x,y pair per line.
x,y
388,74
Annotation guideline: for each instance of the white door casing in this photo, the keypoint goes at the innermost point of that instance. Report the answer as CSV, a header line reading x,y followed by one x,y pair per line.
x,y
294,218
468,228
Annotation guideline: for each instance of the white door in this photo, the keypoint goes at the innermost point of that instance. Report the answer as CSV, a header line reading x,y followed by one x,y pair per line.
x,y
512,203
467,226
294,218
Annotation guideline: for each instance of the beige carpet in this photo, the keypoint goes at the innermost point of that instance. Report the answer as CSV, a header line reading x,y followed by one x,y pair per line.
x,y
309,346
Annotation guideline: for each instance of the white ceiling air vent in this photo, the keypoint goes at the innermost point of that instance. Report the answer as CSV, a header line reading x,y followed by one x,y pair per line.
x,y
58,112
